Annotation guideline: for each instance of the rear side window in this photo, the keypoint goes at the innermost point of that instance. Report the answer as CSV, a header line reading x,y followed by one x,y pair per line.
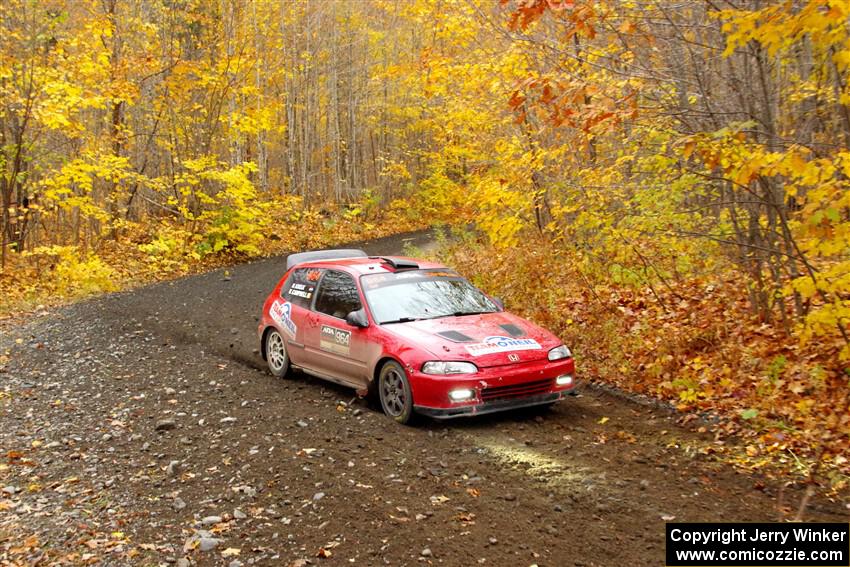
x,y
300,286
338,295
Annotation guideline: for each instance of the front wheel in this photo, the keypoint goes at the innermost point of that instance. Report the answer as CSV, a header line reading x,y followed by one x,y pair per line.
x,y
394,391
276,355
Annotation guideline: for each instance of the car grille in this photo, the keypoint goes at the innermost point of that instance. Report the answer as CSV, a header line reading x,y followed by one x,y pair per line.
x,y
516,390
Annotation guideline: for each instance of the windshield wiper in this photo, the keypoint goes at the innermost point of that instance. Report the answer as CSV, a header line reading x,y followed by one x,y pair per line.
x,y
401,320
462,313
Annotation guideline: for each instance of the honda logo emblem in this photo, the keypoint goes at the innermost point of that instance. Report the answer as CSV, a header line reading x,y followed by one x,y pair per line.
x,y
513,357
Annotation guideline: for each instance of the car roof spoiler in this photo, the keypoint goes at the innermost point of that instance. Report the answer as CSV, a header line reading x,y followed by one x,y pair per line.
x,y
319,255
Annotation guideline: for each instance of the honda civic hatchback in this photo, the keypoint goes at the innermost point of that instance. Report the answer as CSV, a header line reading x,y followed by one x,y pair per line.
x,y
416,335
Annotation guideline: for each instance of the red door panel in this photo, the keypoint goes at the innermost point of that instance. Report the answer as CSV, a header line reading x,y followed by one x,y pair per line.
x,y
339,349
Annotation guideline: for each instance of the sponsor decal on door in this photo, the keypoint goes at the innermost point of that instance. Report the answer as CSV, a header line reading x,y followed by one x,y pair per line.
x,y
495,344
281,313
335,340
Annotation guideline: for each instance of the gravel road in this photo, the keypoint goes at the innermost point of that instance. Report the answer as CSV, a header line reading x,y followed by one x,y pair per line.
x,y
138,428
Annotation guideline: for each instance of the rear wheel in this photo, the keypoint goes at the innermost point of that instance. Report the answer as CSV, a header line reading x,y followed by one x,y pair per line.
x,y
395,393
276,355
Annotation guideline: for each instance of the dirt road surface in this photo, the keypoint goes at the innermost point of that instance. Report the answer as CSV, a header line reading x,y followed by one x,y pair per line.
x,y
140,429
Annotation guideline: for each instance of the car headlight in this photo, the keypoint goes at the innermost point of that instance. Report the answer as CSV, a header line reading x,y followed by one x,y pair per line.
x,y
449,368
559,352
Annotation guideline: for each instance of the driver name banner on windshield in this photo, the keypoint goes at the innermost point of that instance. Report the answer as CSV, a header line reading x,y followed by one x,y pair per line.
x,y
496,344
335,340
378,280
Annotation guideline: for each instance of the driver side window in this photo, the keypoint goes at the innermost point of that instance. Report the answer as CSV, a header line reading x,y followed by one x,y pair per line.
x,y
338,295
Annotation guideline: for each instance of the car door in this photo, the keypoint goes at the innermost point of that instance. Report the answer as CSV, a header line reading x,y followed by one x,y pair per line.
x,y
333,347
291,311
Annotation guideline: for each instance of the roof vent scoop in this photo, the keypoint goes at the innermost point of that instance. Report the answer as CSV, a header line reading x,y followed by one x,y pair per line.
x,y
400,263
319,255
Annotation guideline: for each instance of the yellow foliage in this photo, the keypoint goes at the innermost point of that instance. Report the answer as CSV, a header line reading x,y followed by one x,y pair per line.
x,y
75,275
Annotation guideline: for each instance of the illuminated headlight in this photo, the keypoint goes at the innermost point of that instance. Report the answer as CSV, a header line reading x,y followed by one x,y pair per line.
x,y
449,368
559,352
565,380
461,395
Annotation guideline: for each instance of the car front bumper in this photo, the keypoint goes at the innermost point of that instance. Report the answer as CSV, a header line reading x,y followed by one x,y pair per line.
x,y
494,406
495,389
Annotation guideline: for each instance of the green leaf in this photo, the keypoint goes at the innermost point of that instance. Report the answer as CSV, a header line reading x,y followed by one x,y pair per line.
x,y
749,414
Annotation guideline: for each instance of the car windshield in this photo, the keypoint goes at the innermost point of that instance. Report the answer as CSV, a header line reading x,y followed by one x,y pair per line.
x,y
422,294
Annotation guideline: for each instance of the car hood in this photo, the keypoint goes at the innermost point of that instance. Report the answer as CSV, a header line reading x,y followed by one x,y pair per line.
x,y
489,339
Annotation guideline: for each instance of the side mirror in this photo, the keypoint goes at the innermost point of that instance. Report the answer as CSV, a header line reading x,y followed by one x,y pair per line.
x,y
499,303
357,319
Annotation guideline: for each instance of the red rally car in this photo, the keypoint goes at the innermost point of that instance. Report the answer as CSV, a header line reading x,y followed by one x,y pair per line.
x,y
416,334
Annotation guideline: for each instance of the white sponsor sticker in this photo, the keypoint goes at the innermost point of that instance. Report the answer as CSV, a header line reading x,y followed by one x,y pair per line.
x,y
281,312
301,290
501,344
335,340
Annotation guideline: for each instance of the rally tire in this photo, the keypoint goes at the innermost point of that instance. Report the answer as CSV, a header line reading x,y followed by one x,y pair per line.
x,y
394,393
277,357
